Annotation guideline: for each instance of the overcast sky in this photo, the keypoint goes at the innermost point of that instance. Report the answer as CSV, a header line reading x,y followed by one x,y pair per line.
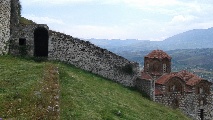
x,y
121,19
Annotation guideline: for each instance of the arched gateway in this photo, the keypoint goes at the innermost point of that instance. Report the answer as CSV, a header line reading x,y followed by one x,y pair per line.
x,y
41,37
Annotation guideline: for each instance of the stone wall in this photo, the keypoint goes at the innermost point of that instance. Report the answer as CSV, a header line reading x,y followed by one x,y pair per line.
x,y
146,86
14,19
77,52
189,104
89,57
24,32
5,10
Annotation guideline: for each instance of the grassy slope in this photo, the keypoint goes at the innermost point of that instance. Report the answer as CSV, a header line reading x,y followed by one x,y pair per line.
x,y
18,81
83,95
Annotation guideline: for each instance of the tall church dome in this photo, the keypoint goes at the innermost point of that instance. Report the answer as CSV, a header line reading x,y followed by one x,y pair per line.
x,y
159,54
157,63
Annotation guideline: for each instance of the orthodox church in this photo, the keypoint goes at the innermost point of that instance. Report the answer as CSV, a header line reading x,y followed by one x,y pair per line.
x,y
183,90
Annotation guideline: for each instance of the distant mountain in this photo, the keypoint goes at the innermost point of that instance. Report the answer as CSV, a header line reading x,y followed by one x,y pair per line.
x,y
115,44
197,38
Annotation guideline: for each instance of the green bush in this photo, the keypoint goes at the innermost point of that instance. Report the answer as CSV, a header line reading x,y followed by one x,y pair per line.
x,y
128,69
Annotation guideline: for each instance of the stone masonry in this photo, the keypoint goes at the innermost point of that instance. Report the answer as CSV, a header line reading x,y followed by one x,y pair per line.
x,y
80,53
5,12
92,58
24,32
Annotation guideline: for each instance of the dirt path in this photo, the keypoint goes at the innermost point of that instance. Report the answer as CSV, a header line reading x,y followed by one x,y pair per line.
x,y
47,106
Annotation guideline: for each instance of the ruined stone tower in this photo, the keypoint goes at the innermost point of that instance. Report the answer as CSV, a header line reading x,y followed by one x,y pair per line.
x,y
5,14
8,20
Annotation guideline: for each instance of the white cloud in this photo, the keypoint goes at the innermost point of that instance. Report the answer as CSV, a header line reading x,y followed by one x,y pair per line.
x,y
43,20
92,31
161,19
129,2
57,2
182,19
142,3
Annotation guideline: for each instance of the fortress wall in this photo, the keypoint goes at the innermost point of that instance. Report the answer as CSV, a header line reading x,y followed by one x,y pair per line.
x,y
5,10
145,86
80,53
89,57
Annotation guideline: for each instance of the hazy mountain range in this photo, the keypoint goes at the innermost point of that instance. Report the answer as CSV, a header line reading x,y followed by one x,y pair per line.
x,y
197,38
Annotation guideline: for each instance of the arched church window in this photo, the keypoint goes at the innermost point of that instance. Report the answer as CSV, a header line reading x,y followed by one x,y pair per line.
x,y
201,90
164,68
147,67
174,88
202,101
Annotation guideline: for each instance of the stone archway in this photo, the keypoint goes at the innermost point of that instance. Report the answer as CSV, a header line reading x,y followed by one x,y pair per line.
x,y
41,37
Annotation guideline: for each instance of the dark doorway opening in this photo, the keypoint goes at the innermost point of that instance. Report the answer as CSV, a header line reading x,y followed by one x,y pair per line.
x,y
22,41
41,37
22,46
175,103
201,114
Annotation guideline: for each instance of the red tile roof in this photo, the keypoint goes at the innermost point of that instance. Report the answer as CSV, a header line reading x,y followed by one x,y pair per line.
x,y
193,81
164,78
158,92
189,78
185,75
158,54
145,76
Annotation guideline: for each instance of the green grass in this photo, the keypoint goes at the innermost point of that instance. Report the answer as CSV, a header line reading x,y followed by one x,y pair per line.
x,y
83,96
25,21
18,81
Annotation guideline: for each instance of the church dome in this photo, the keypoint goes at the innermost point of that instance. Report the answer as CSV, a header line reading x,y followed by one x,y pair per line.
x,y
160,54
